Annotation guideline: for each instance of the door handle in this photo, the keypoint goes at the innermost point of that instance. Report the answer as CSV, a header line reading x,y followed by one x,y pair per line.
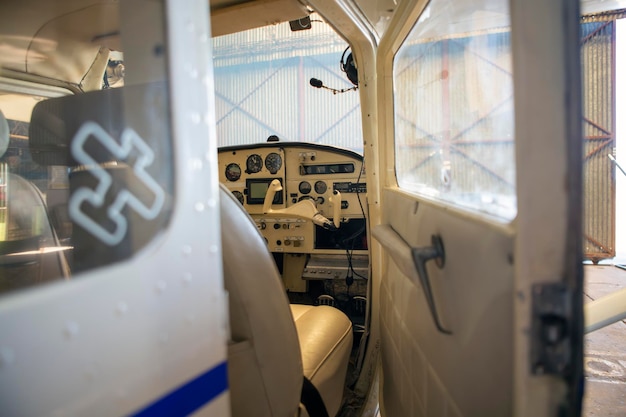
x,y
420,257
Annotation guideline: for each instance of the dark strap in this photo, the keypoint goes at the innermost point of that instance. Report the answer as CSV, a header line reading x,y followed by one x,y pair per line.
x,y
312,400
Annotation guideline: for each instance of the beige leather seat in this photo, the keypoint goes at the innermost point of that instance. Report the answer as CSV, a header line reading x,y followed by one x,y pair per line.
x,y
274,345
325,337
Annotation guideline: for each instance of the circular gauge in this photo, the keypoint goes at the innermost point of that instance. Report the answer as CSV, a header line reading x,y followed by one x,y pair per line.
x,y
273,162
304,187
233,172
254,163
320,187
239,196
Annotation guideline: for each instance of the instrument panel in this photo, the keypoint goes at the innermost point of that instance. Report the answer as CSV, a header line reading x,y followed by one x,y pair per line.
x,y
305,171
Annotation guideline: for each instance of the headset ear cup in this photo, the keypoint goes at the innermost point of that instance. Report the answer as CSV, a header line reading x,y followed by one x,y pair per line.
x,y
350,69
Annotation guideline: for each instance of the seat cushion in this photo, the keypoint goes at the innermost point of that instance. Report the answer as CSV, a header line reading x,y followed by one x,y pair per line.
x,y
325,336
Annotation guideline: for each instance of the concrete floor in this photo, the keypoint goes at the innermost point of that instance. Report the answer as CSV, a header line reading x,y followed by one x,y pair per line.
x,y
605,350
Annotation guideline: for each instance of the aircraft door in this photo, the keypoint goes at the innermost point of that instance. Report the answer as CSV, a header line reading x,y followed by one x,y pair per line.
x,y
480,298
138,326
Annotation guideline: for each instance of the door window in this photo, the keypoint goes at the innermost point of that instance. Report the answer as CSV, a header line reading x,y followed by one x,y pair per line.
x,y
453,98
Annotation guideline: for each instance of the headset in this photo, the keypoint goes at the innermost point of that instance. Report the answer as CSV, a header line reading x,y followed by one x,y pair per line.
x,y
348,66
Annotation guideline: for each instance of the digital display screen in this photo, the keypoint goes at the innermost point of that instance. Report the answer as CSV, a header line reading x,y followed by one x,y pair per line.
x,y
257,188
324,169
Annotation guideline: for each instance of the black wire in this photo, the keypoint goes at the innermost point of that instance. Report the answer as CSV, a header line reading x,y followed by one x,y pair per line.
x,y
362,229
105,81
350,240
353,236
350,265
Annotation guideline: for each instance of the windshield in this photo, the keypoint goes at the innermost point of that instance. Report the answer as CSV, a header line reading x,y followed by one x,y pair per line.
x,y
263,87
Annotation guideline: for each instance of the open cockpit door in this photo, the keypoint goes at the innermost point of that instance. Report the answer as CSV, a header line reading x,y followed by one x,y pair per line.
x,y
480,298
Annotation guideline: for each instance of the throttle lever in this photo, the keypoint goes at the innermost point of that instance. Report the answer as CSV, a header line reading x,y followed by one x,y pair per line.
x,y
335,200
420,257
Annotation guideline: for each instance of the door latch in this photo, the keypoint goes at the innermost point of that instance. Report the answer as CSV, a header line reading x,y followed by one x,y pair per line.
x,y
551,349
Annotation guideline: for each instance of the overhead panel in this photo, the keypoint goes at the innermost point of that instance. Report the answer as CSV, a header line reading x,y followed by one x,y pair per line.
x,y
253,14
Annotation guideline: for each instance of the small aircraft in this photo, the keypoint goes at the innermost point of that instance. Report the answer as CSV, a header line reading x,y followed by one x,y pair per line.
x,y
292,208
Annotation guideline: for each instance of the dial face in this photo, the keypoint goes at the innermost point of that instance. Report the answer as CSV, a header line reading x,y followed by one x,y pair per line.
x,y
233,172
304,187
254,163
239,196
320,187
273,162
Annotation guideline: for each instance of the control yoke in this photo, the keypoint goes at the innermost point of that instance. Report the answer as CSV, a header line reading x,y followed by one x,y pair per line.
x,y
305,209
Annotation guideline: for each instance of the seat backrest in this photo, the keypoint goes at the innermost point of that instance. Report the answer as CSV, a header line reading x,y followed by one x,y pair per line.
x,y
264,362
120,162
30,253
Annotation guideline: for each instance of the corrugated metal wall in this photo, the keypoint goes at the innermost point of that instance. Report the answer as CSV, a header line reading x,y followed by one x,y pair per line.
x,y
598,71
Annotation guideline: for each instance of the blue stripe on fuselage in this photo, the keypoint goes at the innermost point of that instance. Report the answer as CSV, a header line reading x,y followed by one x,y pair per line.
x,y
190,396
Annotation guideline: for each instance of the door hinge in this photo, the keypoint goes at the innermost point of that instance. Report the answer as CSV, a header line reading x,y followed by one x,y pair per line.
x,y
551,339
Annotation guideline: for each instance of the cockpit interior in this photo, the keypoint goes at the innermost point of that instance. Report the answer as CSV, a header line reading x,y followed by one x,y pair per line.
x,y
316,224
